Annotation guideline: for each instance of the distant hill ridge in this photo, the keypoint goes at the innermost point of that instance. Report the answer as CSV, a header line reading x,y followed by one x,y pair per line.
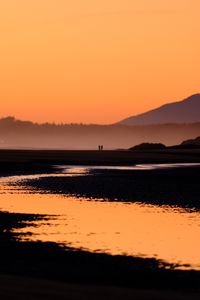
x,y
195,142
27,135
185,111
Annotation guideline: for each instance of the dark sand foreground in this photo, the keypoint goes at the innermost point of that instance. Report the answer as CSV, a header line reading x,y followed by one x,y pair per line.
x,y
14,287
118,157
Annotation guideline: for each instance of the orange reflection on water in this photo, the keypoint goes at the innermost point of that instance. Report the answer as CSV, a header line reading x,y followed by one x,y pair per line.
x,y
171,234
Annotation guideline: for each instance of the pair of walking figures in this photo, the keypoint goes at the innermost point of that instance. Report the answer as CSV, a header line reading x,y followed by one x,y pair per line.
x,y
100,147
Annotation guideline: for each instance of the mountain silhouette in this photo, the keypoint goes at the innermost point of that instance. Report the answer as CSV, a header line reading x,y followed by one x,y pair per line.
x,y
185,111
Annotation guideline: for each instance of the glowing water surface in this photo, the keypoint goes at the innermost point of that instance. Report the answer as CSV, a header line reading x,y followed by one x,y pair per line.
x,y
168,233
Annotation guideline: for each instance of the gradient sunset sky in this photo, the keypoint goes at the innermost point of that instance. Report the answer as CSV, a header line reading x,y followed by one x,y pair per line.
x,y
96,61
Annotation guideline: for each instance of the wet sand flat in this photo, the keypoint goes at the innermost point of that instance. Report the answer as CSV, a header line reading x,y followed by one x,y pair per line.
x,y
168,186
79,274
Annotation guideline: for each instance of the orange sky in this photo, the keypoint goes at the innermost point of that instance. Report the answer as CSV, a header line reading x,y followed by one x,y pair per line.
x,y
96,61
